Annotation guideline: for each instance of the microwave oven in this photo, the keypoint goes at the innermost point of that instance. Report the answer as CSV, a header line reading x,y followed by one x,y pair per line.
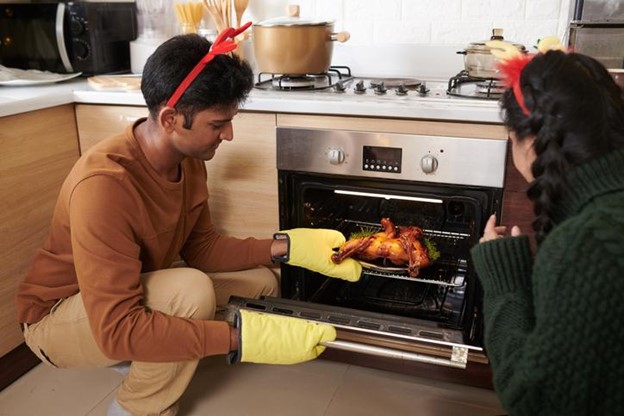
x,y
68,37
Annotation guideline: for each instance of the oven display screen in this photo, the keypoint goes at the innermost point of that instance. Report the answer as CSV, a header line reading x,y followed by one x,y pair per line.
x,y
382,159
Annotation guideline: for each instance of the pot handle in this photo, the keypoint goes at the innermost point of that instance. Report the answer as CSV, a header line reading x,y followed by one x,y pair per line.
x,y
462,52
340,37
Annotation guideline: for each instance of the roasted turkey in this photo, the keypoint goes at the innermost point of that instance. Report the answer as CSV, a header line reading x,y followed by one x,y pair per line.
x,y
401,246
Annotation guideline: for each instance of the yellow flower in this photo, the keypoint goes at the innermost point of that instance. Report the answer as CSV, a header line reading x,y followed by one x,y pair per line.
x,y
550,43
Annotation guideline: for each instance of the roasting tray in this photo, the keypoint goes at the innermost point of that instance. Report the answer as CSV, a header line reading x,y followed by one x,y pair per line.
x,y
449,270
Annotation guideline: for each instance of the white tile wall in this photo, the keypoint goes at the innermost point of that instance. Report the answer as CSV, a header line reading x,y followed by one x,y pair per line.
x,y
421,37
457,22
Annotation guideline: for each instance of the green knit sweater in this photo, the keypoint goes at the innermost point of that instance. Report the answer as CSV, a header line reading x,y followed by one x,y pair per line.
x,y
554,327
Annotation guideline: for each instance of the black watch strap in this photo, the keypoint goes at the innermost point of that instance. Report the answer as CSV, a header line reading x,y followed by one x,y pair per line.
x,y
234,357
283,258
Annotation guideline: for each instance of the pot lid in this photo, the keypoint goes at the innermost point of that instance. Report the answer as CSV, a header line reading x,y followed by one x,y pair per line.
x,y
293,21
497,34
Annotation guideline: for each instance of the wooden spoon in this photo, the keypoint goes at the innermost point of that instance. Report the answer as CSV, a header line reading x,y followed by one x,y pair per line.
x,y
239,8
214,9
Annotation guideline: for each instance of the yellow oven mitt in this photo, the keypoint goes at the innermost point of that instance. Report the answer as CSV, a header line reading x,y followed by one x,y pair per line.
x,y
312,248
275,339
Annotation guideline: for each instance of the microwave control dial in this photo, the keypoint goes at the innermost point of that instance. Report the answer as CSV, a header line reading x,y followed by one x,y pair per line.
x,y
428,164
82,50
77,26
335,156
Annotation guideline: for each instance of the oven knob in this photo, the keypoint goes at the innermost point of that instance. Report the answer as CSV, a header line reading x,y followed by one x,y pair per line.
x,y
428,164
336,156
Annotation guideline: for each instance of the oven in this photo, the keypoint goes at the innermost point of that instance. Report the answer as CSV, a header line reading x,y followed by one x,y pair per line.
x,y
349,181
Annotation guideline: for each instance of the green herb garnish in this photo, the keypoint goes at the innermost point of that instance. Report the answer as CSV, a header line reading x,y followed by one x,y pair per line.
x,y
432,250
364,232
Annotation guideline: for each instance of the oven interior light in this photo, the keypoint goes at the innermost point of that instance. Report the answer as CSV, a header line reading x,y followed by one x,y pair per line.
x,y
386,196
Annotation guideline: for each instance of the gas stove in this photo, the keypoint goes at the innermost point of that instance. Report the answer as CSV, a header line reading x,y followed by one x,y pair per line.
x,y
339,80
340,92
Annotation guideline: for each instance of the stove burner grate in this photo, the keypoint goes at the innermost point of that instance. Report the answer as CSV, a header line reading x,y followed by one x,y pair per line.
x,y
304,82
464,85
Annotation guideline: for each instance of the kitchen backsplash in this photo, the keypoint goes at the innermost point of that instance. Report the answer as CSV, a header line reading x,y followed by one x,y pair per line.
x,y
421,37
430,22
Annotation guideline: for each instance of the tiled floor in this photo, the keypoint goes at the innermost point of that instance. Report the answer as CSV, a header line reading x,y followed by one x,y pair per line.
x,y
317,388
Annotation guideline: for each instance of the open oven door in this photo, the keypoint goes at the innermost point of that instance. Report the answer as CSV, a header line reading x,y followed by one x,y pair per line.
x,y
376,334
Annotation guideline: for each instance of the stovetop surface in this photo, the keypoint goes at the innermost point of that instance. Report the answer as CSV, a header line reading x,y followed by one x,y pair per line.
x,y
324,98
341,84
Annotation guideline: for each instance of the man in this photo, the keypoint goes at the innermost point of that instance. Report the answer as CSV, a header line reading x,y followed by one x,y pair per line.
x,y
101,290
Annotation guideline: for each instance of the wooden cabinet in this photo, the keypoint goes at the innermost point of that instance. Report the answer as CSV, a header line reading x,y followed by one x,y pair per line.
x,y
38,150
97,122
242,177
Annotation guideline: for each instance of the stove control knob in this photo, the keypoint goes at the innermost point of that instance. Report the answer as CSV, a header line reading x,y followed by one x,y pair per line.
x,y
401,89
380,88
336,156
428,164
423,90
340,87
359,87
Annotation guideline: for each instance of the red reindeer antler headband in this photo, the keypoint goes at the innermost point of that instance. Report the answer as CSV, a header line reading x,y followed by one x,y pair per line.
x,y
224,43
513,61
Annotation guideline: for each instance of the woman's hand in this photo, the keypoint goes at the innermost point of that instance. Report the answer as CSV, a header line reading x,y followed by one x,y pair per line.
x,y
493,231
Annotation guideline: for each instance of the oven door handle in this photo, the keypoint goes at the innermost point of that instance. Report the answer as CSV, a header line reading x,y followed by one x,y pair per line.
x,y
459,355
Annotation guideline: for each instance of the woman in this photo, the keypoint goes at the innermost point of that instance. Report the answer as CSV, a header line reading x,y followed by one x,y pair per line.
x,y
553,326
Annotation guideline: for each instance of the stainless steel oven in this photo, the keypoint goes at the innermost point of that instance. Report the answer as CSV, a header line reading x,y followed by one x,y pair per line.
x,y
349,181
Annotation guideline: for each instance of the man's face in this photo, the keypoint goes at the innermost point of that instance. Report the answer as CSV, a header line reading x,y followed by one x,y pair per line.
x,y
210,127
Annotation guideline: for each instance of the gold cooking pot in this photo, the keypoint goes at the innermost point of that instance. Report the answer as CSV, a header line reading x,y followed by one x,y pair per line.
x,y
291,45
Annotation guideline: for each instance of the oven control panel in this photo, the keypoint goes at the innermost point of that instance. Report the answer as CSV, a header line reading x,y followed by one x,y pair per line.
x,y
408,157
382,159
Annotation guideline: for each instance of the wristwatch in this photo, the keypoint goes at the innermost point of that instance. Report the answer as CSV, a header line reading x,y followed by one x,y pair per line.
x,y
284,257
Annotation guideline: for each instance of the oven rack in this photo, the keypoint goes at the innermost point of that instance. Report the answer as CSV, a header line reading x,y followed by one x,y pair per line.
x,y
456,281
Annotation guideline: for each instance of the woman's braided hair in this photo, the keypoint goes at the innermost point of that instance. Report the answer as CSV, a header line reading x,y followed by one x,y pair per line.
x,y
576,115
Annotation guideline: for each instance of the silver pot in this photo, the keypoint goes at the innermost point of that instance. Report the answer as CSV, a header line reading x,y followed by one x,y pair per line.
x,y
478,59
291,45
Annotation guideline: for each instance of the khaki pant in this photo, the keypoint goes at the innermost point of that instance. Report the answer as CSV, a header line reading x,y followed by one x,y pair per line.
x,y
63,338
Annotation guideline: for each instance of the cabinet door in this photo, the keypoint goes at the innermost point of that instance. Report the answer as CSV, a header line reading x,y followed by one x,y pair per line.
x,y
242,179
97,122
38,150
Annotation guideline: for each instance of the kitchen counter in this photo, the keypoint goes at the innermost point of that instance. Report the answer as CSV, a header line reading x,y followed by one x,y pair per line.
x,y
15,100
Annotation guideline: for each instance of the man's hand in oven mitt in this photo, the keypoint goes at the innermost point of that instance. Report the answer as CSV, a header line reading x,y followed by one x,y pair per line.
x,y
274,339
312,248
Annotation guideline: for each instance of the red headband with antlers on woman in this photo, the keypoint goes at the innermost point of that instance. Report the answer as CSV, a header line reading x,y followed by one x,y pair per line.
x,y
512,62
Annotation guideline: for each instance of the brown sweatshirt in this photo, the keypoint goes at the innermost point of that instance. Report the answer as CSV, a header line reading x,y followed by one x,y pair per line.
x,y
116,218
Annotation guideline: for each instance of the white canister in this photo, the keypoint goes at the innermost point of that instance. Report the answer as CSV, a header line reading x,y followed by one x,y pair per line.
x,y
140,50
